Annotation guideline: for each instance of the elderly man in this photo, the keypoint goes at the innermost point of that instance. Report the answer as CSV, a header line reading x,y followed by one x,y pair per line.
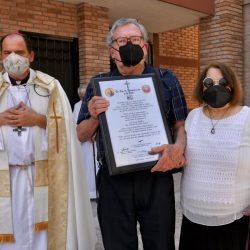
x,y
41,186
147,196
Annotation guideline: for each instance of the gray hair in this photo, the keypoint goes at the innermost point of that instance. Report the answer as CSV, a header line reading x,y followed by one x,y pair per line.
x,y
81,88
122,22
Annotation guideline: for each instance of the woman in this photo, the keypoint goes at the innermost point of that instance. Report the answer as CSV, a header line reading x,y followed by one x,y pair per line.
x,y
215,187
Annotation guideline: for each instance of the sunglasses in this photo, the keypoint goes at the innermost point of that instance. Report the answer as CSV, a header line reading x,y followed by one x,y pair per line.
x,y
209,82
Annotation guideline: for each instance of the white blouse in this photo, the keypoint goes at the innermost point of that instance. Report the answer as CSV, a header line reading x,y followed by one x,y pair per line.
x,y
215,186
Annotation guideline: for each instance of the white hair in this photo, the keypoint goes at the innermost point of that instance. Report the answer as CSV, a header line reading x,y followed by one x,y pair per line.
x,y
81,89
122,22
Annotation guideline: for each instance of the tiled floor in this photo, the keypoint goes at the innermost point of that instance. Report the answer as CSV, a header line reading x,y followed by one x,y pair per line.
x,y
99,245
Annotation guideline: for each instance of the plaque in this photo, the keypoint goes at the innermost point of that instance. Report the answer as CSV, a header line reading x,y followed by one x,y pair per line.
x,y
134,123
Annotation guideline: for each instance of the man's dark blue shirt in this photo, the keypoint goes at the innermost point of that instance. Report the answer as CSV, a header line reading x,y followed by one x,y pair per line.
x,y
175,105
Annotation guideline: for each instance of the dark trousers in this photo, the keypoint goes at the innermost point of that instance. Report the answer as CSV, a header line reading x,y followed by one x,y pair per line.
x,y
248,238
144,197
231,236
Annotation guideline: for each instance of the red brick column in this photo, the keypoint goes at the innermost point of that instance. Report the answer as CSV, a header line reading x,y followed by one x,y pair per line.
x,y
93,25
246,78
221,36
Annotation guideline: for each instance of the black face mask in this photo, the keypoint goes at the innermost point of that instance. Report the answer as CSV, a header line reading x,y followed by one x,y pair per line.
x,y
131,54
217,96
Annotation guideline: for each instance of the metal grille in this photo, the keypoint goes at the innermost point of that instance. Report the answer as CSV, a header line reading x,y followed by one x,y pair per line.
x,y
57,57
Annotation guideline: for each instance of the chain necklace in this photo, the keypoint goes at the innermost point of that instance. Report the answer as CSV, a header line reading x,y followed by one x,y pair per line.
x,y
214,123
27,99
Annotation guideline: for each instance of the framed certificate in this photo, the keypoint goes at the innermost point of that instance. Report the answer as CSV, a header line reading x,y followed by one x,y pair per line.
x,y
134,122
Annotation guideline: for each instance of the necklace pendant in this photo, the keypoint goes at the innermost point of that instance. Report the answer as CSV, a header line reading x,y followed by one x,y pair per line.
x,y
212,131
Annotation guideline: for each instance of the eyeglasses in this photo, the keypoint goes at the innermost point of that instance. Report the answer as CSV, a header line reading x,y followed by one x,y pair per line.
x,y
121,41
209,82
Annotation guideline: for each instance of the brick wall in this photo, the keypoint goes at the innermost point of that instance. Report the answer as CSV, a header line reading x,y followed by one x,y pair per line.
x,y
88,23
178,50
41,16
182,43
246,76
93,52
187,77
221,36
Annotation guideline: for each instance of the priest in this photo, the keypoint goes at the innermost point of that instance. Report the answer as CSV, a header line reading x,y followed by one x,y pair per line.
x,y
44,202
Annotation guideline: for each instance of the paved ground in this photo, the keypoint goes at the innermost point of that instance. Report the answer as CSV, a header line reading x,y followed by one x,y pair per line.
x,y
99,245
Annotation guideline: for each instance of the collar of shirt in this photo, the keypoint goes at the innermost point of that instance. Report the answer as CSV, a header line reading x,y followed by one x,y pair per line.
x,y
22,82
147,69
